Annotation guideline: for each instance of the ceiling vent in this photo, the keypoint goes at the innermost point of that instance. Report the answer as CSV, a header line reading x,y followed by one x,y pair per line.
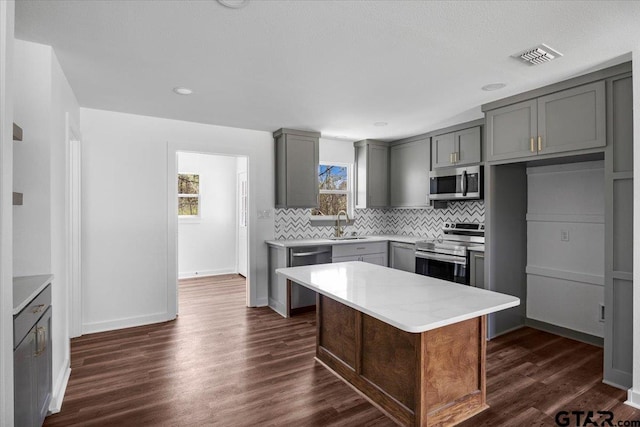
x,y
538,55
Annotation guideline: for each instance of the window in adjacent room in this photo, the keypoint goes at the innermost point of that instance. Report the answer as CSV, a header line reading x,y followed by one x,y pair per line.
x,y
188,195
334,182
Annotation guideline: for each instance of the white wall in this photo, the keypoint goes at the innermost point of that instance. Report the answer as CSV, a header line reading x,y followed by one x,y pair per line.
x,y
6,212
129,268
634,393
207,245
565,279
40,172
336,150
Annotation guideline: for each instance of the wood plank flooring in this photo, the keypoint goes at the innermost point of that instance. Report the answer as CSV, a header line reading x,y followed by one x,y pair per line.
x,y
221,363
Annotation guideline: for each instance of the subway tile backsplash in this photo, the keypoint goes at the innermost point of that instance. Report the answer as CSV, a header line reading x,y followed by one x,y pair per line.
x,y
295,223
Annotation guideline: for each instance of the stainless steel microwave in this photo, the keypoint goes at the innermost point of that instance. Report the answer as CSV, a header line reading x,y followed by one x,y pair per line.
x,y
456,183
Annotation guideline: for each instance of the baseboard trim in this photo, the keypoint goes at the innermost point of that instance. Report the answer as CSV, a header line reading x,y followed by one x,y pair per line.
x,y
565,332
633,398
129,322
205,273
262,302
60,389
278,307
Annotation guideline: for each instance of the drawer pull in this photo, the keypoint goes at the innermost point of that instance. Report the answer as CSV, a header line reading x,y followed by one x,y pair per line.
x,y
40,340
38,308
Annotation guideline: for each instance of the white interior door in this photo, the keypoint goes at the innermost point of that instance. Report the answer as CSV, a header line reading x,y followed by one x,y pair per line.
x,y
242,223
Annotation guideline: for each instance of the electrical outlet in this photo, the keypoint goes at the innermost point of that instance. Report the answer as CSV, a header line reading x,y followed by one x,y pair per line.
x,y
564,235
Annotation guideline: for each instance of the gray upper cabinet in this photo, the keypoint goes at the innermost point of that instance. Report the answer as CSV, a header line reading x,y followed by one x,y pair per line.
x,y
457,148
568,120
409,174
297,158
372,174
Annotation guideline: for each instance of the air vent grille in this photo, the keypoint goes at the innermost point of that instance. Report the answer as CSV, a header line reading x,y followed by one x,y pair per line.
x,y
538,55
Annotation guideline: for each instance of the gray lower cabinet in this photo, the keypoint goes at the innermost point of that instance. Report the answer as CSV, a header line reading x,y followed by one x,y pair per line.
x,y
297,160
569,120
476,269
373,252
618,292
372,174
409,174
402,256
32,361
457,148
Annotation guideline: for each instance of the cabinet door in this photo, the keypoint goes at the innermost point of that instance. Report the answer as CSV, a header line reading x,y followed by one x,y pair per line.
x,y
403,257
442,149
43,365
409,174
379,259
302,171
378,176
476,274
573,119
467,146
24,374
510,129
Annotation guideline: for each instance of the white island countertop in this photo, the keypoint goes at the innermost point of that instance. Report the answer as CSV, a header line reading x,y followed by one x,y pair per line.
x,y
410,302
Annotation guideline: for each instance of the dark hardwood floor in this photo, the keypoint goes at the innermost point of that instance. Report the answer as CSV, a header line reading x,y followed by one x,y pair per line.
x,y
221,363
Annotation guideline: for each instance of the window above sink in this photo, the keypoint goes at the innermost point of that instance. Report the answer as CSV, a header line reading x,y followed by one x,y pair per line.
x,y
335,185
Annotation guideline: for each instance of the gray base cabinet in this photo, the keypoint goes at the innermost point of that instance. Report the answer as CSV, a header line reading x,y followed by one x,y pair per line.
x,y
457,148
476,270
409,174
618,292
297,159
402,256
372,174
32,361
568,120
373,253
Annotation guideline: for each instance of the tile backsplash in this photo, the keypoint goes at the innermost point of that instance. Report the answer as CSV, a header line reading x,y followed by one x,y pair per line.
x,y
295,223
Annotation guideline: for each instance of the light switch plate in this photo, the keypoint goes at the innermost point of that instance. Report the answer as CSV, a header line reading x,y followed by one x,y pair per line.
x,y
564,235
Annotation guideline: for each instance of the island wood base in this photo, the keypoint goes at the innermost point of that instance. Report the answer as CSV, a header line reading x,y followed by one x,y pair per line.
x,y
433,378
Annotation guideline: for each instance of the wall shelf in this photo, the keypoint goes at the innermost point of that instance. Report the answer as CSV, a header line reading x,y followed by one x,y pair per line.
x,y
17,132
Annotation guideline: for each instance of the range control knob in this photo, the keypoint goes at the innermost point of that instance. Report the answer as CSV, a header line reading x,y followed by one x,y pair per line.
x,y
446,225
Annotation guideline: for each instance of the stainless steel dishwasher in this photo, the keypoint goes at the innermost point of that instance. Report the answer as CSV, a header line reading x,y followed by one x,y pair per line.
x,y
303,299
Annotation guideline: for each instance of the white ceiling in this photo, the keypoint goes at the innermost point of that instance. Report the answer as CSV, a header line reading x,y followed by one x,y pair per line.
x,y
331,66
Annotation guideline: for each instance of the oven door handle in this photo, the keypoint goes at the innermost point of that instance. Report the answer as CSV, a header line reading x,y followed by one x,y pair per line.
x,y
441,257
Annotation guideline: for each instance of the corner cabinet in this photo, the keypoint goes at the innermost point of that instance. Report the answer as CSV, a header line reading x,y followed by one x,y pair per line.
x,y
402,256
297,159
457,148
409,174
372,174
569,120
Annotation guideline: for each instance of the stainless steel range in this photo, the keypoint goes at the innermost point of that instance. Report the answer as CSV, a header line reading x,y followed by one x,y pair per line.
x,y
447,256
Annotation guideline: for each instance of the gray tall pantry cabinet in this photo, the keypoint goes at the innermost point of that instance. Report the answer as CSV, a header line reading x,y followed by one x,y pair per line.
x,y
297,159
586,118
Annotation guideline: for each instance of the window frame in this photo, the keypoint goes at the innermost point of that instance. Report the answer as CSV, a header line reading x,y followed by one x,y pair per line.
x,y
190,218
348,192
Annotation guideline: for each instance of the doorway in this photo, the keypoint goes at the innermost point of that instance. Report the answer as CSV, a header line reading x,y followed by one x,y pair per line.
x,y
211,233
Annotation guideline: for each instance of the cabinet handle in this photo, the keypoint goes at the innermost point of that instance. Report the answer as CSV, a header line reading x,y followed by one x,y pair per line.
x,y
40,337
451,158
38,308
455,157
539,143
532,147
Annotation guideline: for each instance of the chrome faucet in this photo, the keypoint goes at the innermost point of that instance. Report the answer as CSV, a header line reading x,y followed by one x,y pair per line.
x,y
339,230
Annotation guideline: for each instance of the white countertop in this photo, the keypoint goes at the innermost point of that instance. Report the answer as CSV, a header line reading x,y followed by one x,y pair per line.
x,y
410,302
26,288
291,243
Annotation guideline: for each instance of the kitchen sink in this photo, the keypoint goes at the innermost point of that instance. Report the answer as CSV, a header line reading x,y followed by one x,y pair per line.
x,y
348,238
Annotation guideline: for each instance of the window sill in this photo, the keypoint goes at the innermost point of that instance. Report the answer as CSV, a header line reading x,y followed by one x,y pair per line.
x,y
189,219
329,220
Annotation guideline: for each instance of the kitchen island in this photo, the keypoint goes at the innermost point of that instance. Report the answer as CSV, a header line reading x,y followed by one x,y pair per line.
x,y
413,345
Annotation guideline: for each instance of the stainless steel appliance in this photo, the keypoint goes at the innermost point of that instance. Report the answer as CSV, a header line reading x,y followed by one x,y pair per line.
x,y
447,257
456,183
301,297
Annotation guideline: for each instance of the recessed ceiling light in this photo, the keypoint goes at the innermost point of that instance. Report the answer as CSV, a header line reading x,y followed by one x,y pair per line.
x,y
380,124
493,86
234,4
182,90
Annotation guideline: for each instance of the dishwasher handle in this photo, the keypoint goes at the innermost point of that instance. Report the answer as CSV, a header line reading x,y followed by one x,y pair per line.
x,y
312,253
